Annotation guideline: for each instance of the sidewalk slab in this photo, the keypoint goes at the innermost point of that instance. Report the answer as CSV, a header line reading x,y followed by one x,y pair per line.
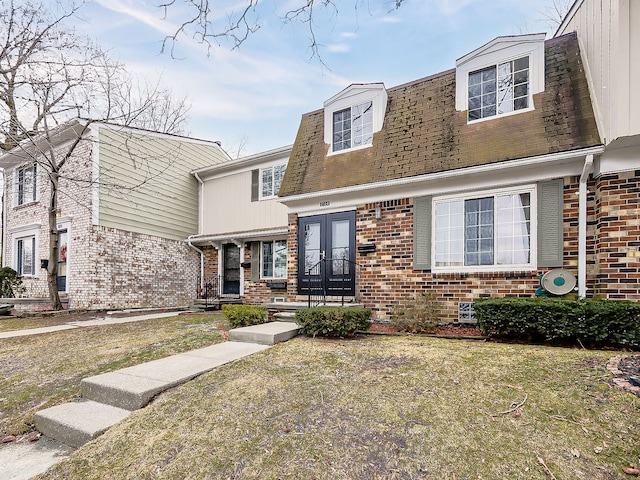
x,y
77,423
113,320
36,331
133,387
265,333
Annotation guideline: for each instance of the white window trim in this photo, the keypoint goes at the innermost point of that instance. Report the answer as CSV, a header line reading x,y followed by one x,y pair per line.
x,y
16,181
350,97
286,273
500,50
21,233
533,241
64,223
506,114
272,168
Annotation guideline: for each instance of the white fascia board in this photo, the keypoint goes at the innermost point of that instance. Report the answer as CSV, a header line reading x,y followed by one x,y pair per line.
x,y
29,148
512,172
169,136
204,239
615,160
95,177
263,159
567,18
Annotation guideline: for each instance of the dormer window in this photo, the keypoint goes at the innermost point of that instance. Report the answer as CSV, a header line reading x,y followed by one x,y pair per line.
x,y
501,77
353,127
353,116
499,89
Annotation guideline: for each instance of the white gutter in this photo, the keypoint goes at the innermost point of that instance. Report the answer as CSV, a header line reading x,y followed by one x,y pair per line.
x,y
234,237
538,162
201,260
582,226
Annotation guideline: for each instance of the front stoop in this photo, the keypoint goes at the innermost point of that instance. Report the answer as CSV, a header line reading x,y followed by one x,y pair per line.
x,y
77,423
265,333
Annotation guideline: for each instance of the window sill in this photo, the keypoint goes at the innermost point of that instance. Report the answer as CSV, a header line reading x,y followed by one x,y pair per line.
x,y
501,115
515,273
28,204
347,150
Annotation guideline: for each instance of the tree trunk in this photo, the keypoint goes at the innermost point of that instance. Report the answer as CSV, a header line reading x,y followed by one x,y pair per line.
x,y
52,269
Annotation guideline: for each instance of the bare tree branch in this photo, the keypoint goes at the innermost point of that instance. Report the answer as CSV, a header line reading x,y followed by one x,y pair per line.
x,y
50,75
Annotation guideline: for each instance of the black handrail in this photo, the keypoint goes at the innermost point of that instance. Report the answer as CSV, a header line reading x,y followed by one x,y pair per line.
x,y
317,290
211,290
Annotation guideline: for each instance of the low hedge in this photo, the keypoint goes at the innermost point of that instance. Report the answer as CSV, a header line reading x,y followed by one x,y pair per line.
x,y
594,322
244,315
333,321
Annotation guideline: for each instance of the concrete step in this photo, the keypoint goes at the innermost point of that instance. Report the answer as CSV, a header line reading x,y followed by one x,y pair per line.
x,y
77,423
285,317
265,334
133,387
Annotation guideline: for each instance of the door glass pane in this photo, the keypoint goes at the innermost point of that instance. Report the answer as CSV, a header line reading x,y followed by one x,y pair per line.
x,y
340,247
311,248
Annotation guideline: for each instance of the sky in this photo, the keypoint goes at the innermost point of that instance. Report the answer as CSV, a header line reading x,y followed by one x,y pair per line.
x,y
251,98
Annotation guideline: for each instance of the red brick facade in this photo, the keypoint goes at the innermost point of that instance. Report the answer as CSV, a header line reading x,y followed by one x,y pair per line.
x,y
617,236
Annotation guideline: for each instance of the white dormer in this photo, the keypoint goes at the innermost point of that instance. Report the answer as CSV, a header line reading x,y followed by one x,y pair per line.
x,y
501,77
352,117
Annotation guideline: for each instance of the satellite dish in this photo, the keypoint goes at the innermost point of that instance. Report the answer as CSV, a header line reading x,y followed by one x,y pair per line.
x,y
558,281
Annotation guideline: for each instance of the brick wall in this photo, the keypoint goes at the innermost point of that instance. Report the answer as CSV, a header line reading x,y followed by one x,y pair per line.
x,y
387,277
617,242
107,268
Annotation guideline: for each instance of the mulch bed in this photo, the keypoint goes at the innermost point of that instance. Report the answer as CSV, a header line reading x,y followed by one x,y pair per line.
x,y
441,330
623,368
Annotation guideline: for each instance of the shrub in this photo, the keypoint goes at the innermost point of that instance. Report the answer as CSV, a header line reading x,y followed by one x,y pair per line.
x,y
244,315
333,321
420,314
592,321
10,283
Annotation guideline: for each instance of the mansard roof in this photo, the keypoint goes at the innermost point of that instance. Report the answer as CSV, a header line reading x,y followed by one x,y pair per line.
x,y
424,133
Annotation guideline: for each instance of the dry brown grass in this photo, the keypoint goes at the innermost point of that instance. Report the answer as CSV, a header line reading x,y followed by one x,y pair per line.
x,y
39,371
379,408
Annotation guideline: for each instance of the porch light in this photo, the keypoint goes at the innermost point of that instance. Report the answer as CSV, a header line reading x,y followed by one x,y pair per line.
x,y
378,211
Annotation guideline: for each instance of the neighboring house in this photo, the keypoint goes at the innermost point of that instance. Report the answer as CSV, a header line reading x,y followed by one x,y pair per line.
x,y
243,229
464,183
610,42
122,219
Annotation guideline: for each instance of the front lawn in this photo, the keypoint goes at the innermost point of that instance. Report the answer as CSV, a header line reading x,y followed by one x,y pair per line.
x,y
40,371
380,408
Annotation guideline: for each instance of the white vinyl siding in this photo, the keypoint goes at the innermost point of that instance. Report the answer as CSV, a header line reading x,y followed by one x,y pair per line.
x,y
239,212
145,184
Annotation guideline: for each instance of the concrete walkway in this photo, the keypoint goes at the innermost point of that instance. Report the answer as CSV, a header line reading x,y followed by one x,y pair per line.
x,y
107,320
109,398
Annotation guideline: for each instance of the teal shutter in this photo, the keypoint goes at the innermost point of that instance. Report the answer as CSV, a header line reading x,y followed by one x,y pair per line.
x,y
255,185
550,238
255,261
422,233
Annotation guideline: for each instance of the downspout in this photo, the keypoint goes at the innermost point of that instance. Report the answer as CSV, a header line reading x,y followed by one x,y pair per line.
x,y
582,226
201,260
